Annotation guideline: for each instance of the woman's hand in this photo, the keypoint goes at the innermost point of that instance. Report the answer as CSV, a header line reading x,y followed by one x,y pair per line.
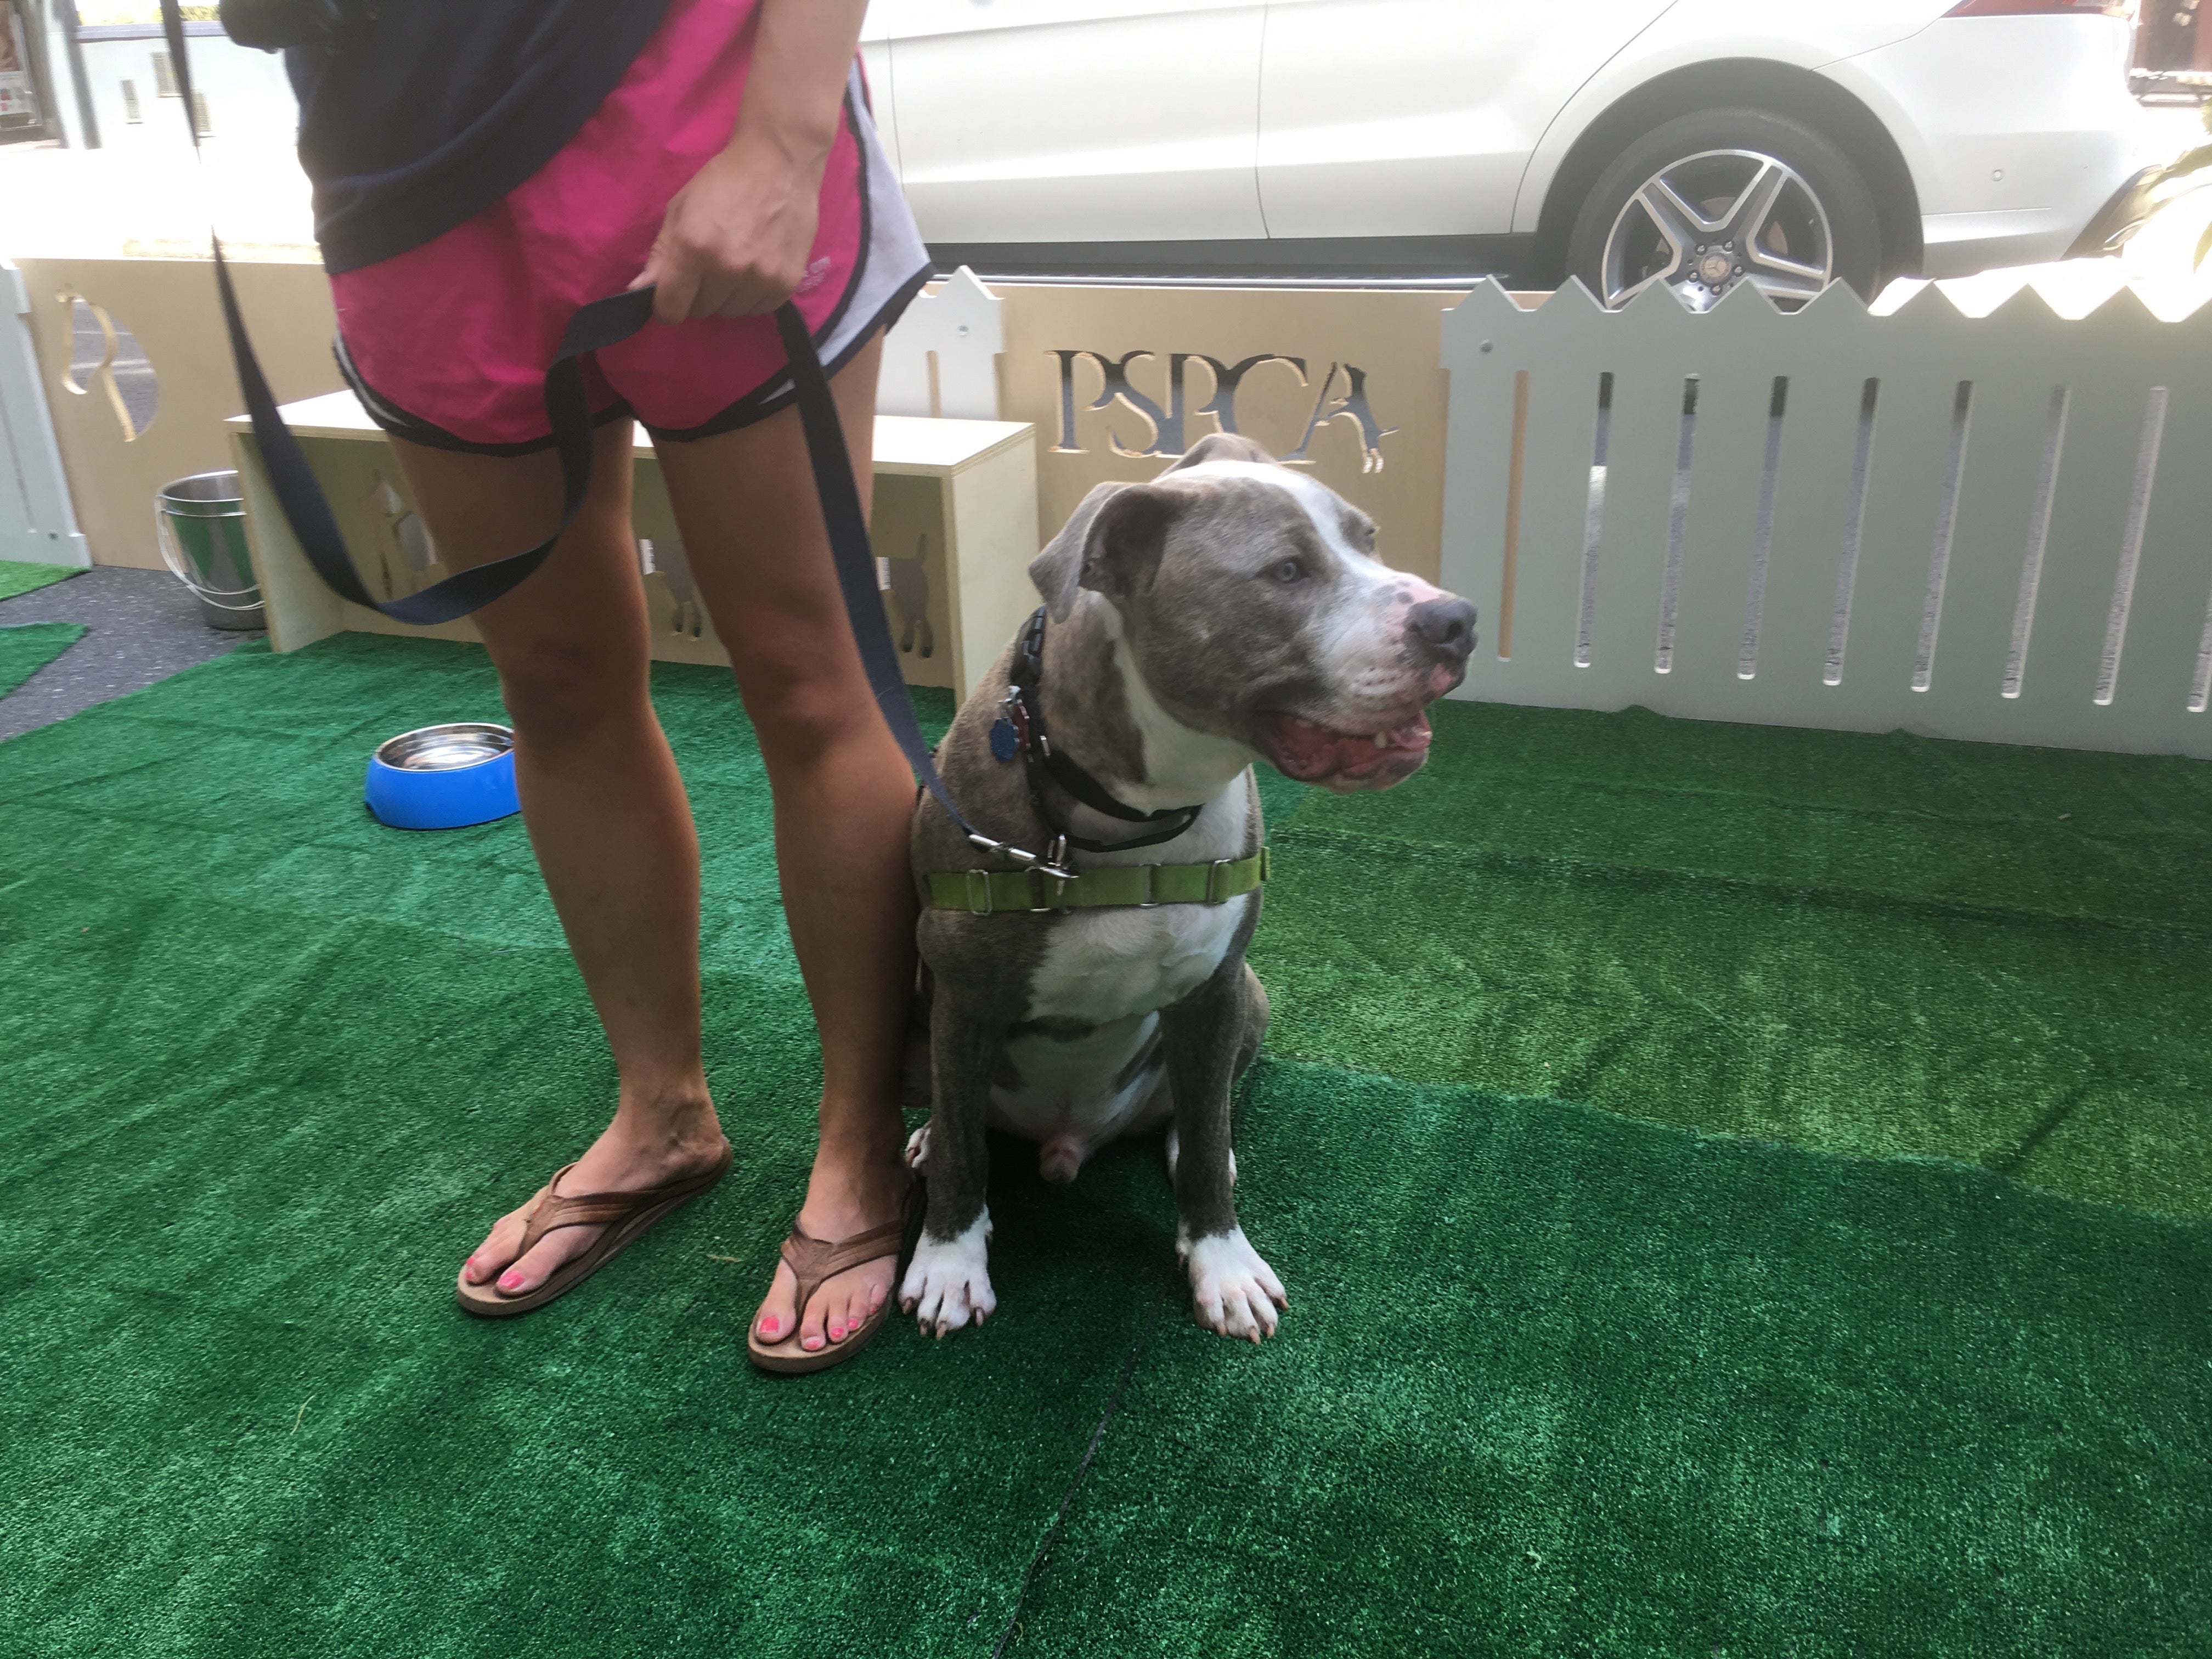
x,y
735,239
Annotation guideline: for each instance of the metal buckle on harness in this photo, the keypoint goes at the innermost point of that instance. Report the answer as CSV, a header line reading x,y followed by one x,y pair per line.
x,y
1039,904
1215,874
1057,869
1151,875
979,884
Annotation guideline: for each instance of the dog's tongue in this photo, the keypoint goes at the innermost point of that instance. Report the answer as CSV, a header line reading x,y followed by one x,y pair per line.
x,y
1304,750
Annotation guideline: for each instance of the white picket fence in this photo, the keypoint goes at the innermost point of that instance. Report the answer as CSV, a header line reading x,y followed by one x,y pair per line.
x,y
1996,528
941,357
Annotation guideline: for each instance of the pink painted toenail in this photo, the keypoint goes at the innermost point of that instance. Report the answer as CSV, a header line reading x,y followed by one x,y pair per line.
x,y
809,1343
768,1328
511,1282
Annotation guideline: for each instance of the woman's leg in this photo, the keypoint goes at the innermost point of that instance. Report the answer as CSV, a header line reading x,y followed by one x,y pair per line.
x,y
752,529
605,810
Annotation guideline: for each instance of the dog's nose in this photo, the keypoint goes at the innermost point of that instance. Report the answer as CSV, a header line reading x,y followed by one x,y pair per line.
x,y
1445,626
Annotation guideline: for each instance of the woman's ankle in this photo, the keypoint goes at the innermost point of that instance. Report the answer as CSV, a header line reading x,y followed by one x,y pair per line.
x,y
859,1142
679,1118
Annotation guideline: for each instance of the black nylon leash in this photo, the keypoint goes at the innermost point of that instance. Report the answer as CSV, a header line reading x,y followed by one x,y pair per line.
x,y
567,411
601,323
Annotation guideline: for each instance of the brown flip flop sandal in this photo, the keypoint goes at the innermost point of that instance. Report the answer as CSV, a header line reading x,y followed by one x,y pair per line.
x,y
813,1263
625,1215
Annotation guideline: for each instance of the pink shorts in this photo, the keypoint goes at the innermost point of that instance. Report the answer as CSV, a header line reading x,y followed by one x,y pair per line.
x,y
447,343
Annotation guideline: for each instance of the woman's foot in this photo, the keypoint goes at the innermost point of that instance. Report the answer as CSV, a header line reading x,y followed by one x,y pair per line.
x,y
851,1190
640,1148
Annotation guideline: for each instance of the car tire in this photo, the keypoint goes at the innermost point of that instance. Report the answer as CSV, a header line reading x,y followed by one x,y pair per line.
x,y
1711,168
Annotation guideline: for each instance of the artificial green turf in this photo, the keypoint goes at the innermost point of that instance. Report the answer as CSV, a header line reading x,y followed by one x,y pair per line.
x,y
1877,944
29,646
21,575
1572,1384
1554,1380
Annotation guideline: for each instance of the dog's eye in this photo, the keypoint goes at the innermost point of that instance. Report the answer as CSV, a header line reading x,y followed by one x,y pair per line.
x,y
1289,570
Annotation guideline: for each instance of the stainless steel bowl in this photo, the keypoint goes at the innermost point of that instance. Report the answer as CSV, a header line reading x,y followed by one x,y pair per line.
x,y
450,748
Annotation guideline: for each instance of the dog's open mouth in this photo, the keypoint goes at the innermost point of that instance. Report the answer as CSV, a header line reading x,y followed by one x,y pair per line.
x,y
1338,759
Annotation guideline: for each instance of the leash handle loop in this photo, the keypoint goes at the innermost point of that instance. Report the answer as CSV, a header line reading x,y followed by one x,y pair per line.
x,y
600,323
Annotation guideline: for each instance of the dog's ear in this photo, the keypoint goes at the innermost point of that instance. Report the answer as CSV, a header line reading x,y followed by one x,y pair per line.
x,y
1222,446
1058,571
1108,544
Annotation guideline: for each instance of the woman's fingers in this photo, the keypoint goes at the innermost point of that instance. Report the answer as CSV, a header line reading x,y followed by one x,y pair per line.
x,y
735,240
678,286
693,283
712,290
754,294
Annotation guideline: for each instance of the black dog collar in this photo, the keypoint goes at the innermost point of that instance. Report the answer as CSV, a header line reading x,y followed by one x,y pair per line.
x,y
1020,730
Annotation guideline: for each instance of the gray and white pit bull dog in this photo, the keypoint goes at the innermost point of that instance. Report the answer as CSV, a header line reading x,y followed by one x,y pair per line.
x,y
1230,611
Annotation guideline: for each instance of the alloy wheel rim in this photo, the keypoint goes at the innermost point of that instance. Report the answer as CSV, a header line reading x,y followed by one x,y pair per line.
x,y
1715,221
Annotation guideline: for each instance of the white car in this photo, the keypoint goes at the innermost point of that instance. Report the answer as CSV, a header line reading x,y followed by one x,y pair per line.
x,y
1700,144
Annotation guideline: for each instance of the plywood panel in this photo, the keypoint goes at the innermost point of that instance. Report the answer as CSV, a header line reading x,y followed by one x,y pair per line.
x,y
1118,380
170,306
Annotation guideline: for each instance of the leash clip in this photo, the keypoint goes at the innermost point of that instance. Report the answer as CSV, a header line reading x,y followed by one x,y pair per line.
x,y
1055,865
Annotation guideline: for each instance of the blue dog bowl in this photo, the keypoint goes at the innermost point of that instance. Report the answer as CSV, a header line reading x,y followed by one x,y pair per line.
x,y
443,777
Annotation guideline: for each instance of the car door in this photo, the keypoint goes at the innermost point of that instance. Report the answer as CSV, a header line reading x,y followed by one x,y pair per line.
x,y
1417,118
1077,120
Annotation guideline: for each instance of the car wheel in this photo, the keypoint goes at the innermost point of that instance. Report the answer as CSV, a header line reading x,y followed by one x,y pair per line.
x,y
1713,200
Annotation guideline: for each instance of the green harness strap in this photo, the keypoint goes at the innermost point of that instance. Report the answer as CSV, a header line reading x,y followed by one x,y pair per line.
x,y
984,892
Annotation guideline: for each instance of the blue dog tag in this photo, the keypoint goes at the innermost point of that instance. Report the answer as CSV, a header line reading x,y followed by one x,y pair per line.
x,y
1006,741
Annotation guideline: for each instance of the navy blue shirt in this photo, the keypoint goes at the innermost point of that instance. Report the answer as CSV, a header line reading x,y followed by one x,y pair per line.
x,y
424,116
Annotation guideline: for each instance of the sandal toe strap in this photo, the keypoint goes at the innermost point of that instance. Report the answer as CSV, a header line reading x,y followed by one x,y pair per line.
x,y
551,1210
815,1261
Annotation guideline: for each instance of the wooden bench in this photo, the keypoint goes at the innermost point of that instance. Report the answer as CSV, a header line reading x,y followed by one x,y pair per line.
x,y
955,526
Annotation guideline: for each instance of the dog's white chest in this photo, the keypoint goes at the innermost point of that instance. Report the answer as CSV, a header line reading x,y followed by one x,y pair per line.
x,y
1105,965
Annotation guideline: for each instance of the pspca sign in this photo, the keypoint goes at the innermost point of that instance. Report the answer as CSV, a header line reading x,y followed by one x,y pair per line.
x,y
1340,395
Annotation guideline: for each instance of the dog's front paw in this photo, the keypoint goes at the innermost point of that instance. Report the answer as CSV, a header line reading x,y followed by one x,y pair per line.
x,y
947,1285
1233,1292
917,1148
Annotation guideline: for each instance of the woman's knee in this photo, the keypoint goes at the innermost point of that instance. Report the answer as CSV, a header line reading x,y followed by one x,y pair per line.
x,y
559,690
803,705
